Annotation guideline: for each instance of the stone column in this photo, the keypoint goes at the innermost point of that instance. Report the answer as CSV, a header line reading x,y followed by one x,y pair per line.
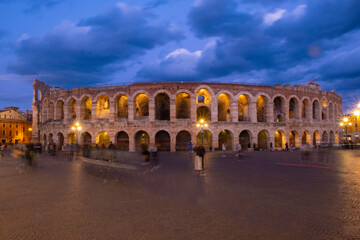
x,y
271,139
131,113
254,139
270,112
172,109
234,111
93,112
253,112
131,140
286,111
151,109
78,111
66,113
215,140
214,111
112,111
173,141
193,108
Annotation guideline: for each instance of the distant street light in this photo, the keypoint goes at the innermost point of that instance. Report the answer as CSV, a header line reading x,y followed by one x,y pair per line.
x,y
201,125
77,128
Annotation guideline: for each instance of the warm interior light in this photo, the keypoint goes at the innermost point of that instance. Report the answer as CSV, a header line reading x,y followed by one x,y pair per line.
x,y
30,129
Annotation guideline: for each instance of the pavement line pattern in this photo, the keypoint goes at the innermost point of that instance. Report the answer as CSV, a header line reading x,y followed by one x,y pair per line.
x,y
301,165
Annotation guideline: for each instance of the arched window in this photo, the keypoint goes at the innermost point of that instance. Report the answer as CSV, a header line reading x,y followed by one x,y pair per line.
x,y
183,106
224,108
261,104
141,105
162,107
243,108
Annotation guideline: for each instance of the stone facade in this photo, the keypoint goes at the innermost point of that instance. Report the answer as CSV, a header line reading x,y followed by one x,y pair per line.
x,y
167,114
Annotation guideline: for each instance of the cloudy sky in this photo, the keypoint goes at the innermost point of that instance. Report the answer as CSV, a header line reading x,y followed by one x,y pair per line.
x,y
70,43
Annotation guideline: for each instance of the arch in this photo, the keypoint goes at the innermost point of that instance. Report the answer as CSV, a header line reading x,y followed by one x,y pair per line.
x,y
44,111
59,113
86,138
203,112
243,108
294,110
207,139
263,139
316,110
280,139
71,109
142,140
141,105
279,105
162,107
316,138
224,108
325,137
305,108
337,138
306,138
122,106
182,140
103,107
226,138
183,105
122,141
245,139
51,111
102,139
86,108
331,111
294,139
203,96
162,140
60,141
332,137
72,138
261,107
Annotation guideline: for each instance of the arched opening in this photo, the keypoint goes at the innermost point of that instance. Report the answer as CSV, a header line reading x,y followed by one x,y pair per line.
x,y
306,138
336,138
332,137
203,96
261,103
72,138
280,140
72,109
183,106
162,141
316,110
103,107
86,105
141,139
243,108
279,114
141,105
325,137
44,111
122,106
59,110
51,111
225,137
103,139
224,108
60,141
331,112
162,107
305,109
86,138
244,140
263,140
122,141
182,140
207,139
294,139
294,109
203,112
316,138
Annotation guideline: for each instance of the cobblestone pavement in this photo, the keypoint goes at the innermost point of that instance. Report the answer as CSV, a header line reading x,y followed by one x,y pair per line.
x,y
253,198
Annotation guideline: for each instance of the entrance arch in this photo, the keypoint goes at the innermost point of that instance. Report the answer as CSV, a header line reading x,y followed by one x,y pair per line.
x,y
60,141
72,138
280,140
316,138
332,137
86,138
103,138
244,140
182,140
122,141
141,137
325,137
162,141
263,139
207,138
294,139
225,137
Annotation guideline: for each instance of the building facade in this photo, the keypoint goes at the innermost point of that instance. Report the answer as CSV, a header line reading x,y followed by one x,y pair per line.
x,y
166,114
15,127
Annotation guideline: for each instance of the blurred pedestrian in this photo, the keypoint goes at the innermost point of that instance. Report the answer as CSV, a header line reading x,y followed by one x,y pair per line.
x,y
238,150
223,150
200,152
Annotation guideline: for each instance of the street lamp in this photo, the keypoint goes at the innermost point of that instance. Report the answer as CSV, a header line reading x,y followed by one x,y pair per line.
x,y
201,125
76,128
345,124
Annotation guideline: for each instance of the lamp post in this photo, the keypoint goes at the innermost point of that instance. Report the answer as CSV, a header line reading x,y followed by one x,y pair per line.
x,y
76,128
345,124
201,124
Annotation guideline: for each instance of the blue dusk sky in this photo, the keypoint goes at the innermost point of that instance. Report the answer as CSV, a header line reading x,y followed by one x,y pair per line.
x,y
72,43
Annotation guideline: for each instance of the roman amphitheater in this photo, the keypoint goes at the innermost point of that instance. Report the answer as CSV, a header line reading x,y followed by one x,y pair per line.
x,y
167,114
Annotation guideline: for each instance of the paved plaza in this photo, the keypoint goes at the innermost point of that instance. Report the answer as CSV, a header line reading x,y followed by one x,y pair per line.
x,y
266,195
